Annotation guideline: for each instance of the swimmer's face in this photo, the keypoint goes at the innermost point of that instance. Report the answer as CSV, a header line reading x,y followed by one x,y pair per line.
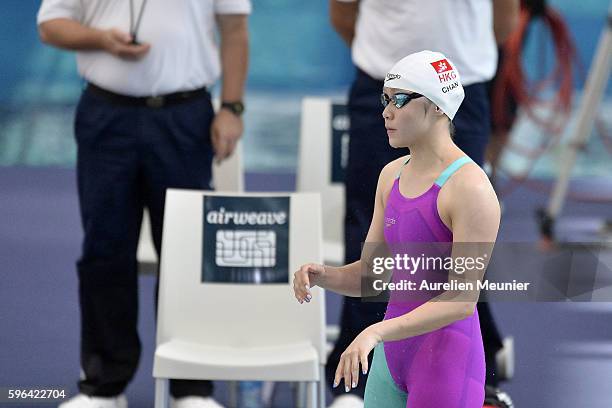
x,y
408,122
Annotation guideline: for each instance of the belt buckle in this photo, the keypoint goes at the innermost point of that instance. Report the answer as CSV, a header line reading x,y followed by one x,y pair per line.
x,y
155,101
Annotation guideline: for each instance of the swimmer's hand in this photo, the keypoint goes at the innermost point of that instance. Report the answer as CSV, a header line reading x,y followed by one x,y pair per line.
x,y
306,277
356,353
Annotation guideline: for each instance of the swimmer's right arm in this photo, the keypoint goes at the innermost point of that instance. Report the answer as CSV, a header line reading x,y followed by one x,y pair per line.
x,y
72,35
346,280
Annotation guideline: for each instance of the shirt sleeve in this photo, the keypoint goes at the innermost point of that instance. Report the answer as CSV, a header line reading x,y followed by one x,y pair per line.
x,y
51,9
232,6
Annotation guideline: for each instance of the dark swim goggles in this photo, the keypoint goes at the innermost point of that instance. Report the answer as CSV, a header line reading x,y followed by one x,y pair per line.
x,y
399,99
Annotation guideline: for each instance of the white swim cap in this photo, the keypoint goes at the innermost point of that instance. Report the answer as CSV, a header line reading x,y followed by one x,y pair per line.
x,y
432,75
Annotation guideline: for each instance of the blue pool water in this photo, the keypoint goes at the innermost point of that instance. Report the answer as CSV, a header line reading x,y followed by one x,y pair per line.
x,y
294,53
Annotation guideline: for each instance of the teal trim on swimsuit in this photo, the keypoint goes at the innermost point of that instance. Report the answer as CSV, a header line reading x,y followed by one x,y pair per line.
x,y
399,173
453,167
381,390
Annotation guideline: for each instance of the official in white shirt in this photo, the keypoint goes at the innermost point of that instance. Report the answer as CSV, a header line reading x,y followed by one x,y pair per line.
x,y
144,123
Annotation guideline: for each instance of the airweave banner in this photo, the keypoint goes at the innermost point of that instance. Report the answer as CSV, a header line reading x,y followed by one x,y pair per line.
x,y
340,142
246,240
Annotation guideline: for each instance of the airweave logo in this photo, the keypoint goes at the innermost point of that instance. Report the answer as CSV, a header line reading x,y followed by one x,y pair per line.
x,y
246,240
241,249
246,217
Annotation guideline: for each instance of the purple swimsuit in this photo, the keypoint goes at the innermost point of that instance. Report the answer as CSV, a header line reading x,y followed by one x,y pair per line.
x,y
441,369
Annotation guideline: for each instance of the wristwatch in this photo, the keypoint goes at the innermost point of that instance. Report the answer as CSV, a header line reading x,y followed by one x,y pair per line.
x,y
235,107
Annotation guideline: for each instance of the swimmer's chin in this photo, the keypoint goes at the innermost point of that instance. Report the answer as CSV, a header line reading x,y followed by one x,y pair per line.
x,y
396,144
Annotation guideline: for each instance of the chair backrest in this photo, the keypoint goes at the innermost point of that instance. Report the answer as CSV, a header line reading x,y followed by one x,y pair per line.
x,y
196,306
227,176
322,159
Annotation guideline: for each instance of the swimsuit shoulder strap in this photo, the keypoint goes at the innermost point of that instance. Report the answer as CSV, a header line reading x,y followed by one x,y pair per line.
x,y
399,173
453,167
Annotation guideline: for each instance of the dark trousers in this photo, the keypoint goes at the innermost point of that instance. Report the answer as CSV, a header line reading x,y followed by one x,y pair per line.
x,y
127,157
369,152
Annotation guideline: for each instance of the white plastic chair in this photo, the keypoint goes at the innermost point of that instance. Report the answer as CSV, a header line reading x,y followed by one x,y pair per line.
x,y
315,172
227,176
220,331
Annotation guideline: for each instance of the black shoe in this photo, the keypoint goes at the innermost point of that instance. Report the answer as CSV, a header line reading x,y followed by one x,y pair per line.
x,y
495,398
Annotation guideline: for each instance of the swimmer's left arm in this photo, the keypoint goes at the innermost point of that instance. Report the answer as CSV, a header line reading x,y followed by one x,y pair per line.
x,y
475,222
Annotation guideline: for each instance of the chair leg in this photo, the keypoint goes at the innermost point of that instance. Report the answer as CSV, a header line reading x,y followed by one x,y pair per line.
x,y
161,392
233,393
267,393
321,387
300,395
313,396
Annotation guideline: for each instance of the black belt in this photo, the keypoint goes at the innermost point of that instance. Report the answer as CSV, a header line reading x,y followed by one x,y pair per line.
x,y
150,101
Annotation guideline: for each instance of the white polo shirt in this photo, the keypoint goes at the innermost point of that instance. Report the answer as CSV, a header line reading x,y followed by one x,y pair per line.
x,y
182,33
388,30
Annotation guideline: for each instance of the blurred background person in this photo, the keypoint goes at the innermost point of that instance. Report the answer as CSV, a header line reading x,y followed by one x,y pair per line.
x,y
144,123
380,34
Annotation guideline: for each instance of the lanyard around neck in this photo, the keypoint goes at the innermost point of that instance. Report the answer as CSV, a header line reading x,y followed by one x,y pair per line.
x,y
134,28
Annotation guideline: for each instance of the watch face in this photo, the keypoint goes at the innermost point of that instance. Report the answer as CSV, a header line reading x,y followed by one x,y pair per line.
x,y
235,107
238,107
